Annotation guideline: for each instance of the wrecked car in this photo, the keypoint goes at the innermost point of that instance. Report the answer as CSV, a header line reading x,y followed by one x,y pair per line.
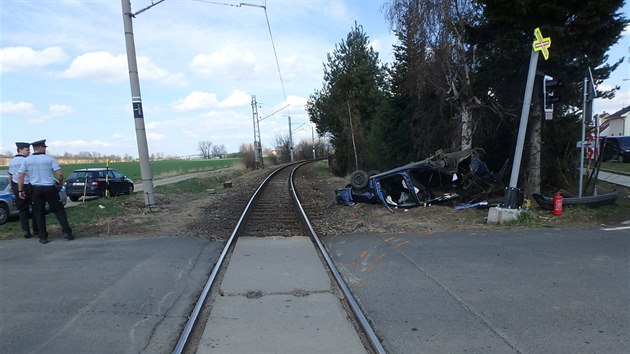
x,y
440,178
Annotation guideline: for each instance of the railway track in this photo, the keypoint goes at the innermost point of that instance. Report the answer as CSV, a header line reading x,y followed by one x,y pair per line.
x,y
275,210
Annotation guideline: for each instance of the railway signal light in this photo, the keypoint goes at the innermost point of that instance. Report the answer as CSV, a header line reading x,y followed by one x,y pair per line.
x,y
549,98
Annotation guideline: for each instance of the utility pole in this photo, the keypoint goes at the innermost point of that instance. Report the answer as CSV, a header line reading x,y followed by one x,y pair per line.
x,y
587,116
136,101
257,143
291,140
354,145
313,138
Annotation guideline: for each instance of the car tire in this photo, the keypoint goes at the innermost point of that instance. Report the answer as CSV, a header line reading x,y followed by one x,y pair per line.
x,y
4,214
359,179
73,198
129,189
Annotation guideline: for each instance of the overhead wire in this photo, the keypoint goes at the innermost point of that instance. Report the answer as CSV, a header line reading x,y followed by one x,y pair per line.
x,y
273,45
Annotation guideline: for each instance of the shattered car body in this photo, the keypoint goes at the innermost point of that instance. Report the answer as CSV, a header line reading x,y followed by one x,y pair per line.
x,y
440,178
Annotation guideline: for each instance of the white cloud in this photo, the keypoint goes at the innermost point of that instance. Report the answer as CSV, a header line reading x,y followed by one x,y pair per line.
x,y
291,68
296,101
98,66
155,136
196,100
233,62
190,133
150,71
236,99
22,58
152,125
22,109
107,68
31,113
59,110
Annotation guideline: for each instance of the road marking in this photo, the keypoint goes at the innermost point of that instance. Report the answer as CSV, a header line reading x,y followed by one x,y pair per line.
x,y
403,243
617,228
389,239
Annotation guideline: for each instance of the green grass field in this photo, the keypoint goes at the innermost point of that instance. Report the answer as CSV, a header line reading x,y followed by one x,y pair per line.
x,y
159,169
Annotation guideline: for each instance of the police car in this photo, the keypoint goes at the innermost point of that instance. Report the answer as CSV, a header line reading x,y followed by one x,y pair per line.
x,y
8,208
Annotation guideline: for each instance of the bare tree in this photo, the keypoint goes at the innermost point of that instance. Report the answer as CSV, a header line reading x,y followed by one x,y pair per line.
x,y
219,151
204,148
283,148
247,154
441,25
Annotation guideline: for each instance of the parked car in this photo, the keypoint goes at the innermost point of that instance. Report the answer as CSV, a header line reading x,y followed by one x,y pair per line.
x,y
440,178
8,207
616,148
97,182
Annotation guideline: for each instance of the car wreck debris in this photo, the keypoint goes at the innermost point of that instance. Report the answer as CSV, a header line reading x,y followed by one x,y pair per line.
x,y
438,179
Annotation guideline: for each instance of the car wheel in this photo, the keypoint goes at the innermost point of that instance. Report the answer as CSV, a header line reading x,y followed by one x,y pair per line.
x,y
130,189
359,179
4,214
74,198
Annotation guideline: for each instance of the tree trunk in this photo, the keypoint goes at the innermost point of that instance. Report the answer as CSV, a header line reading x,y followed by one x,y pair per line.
x,y
532,177
467,127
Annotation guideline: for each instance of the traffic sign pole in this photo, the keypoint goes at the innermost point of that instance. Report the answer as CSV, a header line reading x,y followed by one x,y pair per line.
x,y
509,201
541,44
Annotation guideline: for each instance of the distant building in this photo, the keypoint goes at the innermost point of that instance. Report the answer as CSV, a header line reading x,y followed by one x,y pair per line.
x,y
616,124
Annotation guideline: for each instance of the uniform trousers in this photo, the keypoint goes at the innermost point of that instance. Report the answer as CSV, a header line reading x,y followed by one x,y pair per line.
x,y
24,206
50,195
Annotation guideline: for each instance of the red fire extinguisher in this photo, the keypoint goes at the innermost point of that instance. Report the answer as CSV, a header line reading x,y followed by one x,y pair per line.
x,y
557,204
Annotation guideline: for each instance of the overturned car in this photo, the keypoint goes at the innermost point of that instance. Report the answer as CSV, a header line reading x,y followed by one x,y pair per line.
x,y
441,178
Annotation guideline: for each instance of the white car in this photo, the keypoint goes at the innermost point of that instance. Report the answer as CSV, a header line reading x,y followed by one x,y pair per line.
x,y
8,207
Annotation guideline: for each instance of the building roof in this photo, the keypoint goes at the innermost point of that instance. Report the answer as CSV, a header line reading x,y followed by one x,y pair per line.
x,y
619,114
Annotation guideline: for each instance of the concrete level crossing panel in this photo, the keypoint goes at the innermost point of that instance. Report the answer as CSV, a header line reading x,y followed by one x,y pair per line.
x,y
278,298
275,265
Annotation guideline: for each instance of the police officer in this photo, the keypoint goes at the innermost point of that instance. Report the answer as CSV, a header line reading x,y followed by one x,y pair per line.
x,y
40,168
23,205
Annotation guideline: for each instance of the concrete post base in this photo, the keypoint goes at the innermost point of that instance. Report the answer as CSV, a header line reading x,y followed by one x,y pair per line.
x,y
497,215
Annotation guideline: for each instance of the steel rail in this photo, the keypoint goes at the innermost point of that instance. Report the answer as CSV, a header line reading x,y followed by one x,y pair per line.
x,y
356,309
192,320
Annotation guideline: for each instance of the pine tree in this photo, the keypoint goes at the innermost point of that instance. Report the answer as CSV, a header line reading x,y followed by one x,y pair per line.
x,y
354,87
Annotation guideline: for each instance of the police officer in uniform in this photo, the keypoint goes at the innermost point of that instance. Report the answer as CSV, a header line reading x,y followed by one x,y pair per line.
x,y
40,168
23,205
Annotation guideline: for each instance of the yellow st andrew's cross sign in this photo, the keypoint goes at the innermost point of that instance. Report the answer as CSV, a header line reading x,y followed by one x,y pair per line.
x,y
541,44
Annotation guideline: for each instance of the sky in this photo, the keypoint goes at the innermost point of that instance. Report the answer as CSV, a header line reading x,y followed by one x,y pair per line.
x,y
64,74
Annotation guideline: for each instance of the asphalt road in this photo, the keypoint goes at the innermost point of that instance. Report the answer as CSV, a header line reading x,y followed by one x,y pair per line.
x,y
99,295
528,291
518,291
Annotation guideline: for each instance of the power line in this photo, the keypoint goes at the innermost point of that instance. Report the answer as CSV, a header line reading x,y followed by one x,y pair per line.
x,y
273,45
